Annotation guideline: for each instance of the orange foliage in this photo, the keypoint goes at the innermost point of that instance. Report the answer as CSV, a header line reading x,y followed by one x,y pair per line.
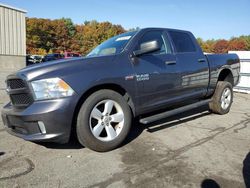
x,y
221,46
62,35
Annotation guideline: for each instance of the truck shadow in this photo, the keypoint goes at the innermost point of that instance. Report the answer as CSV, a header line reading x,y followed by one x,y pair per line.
x,y
138,128
72,144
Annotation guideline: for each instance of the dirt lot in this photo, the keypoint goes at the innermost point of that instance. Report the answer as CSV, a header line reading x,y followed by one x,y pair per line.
x,y
195,149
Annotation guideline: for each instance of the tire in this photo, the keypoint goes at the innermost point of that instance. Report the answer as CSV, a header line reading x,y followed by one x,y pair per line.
x,y
104,121
222,98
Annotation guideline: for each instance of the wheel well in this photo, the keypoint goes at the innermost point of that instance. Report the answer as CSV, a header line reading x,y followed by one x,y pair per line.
x,y
226,75
113,87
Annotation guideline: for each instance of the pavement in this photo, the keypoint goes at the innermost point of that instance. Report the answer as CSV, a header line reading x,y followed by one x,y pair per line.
x,y
193,149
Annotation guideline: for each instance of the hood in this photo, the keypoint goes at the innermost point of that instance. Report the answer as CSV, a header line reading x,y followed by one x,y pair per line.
x,y
60,68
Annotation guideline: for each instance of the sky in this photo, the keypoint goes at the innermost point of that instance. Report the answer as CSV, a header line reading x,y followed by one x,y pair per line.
x,y
208,19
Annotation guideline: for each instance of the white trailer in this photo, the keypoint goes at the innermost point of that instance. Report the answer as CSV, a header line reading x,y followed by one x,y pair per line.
x,y
244,84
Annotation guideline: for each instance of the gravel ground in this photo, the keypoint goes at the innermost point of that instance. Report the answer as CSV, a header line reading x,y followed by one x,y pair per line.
x,y
194,149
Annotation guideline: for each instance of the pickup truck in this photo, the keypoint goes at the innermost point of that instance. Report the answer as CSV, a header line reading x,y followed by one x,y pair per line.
x,y
149,74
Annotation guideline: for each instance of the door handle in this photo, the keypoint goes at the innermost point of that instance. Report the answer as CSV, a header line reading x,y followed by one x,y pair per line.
x,y
170,62
201,60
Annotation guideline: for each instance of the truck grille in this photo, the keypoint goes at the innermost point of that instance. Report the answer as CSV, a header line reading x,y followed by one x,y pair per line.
x,y
15,84
21,99
19,92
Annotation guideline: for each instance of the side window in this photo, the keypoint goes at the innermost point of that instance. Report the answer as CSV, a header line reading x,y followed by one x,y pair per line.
x,y
182,42
158,36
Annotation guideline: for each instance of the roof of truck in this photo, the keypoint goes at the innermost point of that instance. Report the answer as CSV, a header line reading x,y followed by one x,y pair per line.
x,y
169,29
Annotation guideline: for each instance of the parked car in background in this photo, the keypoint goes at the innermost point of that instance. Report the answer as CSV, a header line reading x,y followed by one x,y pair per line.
x,y
29,60
51,57
71,54
36,58
33,59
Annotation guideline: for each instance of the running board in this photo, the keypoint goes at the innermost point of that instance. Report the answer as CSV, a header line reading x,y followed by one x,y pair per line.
x,y
166,114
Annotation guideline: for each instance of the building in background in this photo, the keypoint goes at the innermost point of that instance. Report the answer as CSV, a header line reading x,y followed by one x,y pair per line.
x,y
12,43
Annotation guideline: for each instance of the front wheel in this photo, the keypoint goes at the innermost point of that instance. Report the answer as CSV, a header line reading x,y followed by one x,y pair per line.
x,y
222,98
104,121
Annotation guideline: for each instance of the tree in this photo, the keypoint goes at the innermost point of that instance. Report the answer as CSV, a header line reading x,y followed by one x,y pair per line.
x,y
207,46
38,34
63,35
221,46
247,41
237,44
134,29
70,26
93,33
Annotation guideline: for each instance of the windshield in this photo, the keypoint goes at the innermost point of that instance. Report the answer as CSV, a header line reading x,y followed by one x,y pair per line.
x,y
113,45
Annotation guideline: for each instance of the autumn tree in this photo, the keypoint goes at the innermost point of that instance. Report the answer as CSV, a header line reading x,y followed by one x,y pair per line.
x,y
94,33
206,46
49,34
221,46
237,44
246,39
63,35
38,34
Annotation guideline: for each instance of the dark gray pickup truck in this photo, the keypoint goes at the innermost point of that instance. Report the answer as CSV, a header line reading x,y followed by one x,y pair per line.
x,y
150,74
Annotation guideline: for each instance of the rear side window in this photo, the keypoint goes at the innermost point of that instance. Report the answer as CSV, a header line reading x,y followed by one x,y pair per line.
x,y
182,42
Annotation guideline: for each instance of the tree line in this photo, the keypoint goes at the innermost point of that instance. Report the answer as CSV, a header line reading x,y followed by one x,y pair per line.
x,y
223,46
56,36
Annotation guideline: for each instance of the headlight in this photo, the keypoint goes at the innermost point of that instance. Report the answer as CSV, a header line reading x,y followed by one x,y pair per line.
x,y
51,88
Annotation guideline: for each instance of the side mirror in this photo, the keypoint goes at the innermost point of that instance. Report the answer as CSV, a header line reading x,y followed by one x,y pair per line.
x,y
147,47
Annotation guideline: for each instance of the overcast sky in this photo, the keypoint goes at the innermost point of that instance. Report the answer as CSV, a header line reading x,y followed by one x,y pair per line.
x,y
206,19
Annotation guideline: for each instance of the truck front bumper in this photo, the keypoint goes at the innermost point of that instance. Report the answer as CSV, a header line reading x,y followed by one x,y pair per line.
x,y
48,120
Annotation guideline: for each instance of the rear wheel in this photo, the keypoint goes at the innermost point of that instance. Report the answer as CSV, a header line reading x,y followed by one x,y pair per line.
x,y
104,121
222,98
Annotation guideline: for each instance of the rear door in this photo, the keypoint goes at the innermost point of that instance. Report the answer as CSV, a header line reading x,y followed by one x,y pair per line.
x,y
156,73
193,66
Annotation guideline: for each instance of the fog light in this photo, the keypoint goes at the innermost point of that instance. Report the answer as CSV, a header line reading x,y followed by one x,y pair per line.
x,y
42,127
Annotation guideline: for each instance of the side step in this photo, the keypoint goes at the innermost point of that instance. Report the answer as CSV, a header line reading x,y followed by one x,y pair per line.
x,y
166,114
